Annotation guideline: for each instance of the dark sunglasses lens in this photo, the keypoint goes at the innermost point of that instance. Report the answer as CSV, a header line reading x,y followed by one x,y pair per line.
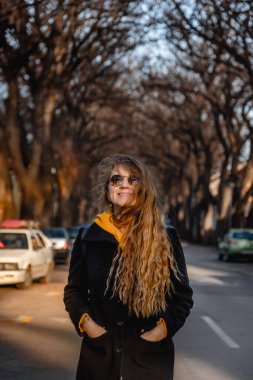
x,y
116,180
134,180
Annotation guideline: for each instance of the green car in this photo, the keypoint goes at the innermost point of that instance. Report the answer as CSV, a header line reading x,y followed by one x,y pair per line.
x,y
237,242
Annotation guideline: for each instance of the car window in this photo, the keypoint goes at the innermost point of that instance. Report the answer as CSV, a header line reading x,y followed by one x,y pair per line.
x,y
54,233
243,235
9,240
41,242
42,239
35,244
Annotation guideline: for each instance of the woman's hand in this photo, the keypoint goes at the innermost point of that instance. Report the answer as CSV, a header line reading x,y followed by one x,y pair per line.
x,y
154,335
92,329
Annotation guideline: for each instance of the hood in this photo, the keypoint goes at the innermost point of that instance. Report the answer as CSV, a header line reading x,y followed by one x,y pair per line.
x,y
58,242
12,256
105,222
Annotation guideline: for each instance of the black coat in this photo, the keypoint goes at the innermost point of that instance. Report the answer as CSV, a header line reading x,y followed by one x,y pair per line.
x,y
120,353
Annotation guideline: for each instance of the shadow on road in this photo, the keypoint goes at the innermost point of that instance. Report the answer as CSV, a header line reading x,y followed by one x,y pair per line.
x,y
38,352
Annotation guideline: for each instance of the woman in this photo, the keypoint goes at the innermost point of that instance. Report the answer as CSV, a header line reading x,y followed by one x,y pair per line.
x,y
128,292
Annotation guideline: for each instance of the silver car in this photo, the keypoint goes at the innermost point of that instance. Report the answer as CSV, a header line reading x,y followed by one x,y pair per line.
x,y
60,240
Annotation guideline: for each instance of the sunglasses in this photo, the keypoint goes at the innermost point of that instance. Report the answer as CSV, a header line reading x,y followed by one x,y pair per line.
x,y
118,180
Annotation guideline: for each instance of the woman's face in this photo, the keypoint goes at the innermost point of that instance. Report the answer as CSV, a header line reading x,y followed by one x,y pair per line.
x,y
122,186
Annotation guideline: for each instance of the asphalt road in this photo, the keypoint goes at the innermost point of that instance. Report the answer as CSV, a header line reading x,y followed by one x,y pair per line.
x,y
216,342
37,340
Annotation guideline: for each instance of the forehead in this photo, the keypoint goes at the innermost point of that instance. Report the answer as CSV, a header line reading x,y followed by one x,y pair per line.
x,y
122,170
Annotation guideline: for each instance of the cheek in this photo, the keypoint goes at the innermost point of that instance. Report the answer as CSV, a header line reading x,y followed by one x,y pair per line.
x,y
109,194
132,200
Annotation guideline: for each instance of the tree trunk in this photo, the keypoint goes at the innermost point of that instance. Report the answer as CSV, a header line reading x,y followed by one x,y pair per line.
x,y
7,201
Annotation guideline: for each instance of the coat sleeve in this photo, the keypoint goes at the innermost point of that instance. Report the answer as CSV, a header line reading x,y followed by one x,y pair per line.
x,y
76,290
180,301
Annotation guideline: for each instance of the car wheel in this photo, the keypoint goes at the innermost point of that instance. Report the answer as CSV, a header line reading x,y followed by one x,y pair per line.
x,y
221,256
27,282
227,258
67,260
46,279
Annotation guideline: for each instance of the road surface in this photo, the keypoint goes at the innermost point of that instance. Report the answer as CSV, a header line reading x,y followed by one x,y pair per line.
x,y
38,342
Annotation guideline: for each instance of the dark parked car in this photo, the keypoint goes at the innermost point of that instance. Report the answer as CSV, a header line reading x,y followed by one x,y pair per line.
x,y
61,243
73,231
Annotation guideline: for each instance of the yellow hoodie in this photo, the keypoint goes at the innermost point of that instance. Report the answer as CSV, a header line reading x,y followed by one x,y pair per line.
x,y
104,221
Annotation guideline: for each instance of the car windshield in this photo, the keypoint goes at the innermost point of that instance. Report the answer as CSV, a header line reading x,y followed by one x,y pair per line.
x,y
13,241
243,235
54,233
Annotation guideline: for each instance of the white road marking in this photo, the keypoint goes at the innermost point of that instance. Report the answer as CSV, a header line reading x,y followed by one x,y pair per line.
x,y
53,294
221,333
24,319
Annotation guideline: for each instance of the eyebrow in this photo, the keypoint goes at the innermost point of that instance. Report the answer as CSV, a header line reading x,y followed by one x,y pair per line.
x,y
129,175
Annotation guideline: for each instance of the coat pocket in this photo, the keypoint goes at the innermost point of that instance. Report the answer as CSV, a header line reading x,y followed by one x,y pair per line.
x,y
97,338
99,345
149,341
144,346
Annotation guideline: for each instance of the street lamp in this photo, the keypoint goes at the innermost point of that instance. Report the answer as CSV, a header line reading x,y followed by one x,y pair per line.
x,y
55,203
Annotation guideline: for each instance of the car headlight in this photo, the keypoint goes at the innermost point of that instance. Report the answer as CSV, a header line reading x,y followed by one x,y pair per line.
x,y
8,266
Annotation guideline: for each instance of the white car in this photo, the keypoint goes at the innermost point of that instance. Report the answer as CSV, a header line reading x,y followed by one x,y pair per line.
x,y
25,255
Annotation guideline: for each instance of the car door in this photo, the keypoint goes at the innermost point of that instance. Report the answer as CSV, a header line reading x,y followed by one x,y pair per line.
x,y
43,251
38,259
225,244
46,251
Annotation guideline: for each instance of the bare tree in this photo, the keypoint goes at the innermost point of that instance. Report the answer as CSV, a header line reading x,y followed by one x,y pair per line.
x,y
213,41
56,59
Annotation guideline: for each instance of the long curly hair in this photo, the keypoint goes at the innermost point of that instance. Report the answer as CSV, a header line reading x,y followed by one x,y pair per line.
x,y
141,269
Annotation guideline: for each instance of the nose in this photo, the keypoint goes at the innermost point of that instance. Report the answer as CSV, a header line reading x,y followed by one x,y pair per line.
x,y
125,182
